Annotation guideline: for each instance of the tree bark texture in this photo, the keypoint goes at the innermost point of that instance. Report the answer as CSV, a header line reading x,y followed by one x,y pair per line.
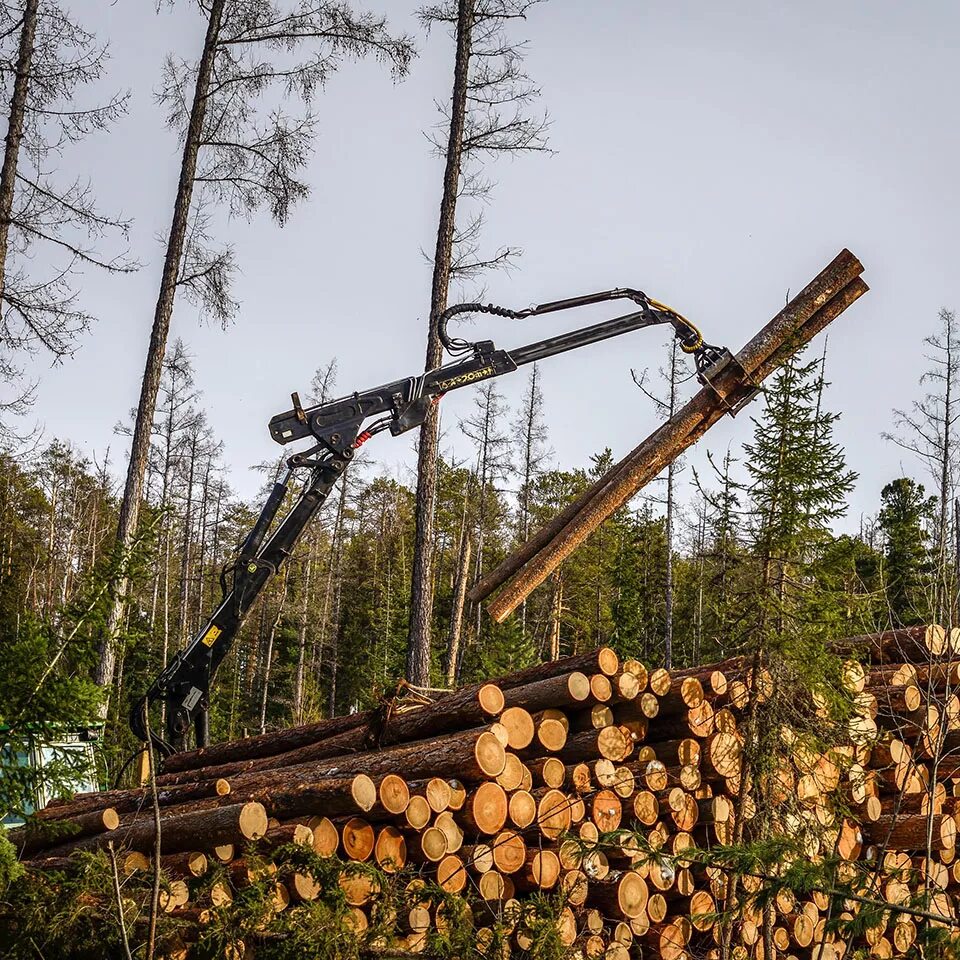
x,y
193,830
456,613
819,303
421,596
127,801
471,755
459,711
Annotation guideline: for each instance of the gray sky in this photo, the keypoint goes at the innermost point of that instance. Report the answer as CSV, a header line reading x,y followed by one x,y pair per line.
x,y
714,155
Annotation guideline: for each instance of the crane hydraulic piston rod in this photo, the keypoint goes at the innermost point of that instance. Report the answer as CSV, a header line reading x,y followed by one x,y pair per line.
x,y
337,429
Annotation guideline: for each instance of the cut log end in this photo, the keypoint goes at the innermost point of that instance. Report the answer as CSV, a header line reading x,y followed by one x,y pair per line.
x,y
578,686
490,698
509,852
418,812
394,794
451,874
253,821
490,754
553,814
608,661
364,792
358,839
437,794
487,808
390,850
520,727
326,838
551,735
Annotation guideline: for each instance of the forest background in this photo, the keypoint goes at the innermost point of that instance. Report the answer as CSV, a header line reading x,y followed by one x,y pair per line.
x,y
848,527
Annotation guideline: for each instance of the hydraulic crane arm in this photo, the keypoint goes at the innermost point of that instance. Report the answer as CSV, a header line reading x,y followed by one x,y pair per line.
x,y
337,429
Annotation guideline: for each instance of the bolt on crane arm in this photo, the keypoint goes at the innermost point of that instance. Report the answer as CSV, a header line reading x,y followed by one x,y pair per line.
x,y
337,428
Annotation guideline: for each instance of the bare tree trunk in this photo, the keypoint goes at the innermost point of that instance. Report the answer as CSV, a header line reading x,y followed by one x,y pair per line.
x,y
943,599
51,536
140,443
202,564
302,636
268,658
531,433
456,613
185,547
18,109
668,590
954,612
701,552
421,593
332,582
555,617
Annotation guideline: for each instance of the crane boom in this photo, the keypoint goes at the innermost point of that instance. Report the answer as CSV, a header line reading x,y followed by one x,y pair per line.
x,y
337,428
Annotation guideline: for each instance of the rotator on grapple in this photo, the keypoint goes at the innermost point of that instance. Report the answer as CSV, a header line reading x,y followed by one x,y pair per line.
x,y
337,429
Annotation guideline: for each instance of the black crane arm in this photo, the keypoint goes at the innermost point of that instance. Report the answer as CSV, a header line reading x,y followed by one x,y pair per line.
x,y
337,429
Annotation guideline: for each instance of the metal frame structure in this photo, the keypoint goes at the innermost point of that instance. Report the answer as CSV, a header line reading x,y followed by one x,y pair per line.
x,y
337,430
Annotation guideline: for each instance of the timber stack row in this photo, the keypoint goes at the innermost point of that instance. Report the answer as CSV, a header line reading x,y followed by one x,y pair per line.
x,y
521,786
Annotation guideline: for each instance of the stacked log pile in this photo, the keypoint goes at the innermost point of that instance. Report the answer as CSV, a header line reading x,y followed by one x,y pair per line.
x,y
600,781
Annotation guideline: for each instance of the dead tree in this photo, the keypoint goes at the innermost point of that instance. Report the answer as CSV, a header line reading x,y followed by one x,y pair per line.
x,y
241,152
531,432
930,432
487,115
43,217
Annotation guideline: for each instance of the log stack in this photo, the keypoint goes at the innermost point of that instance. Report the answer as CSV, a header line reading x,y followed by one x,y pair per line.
x,y
598,780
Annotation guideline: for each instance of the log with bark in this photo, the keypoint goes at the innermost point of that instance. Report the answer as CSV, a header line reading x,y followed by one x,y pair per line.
x,y
180,831
820,302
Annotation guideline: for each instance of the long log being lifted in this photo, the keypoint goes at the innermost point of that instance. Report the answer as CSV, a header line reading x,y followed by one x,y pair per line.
x,y
817,305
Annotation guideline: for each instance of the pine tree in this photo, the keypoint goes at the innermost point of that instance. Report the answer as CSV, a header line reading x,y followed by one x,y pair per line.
x,y
906,554
798,486
485,117
723,555
50,224
640,566
530,431
242,152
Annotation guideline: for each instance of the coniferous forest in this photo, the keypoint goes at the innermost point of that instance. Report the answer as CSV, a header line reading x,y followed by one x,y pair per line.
x,y
112,562
109,567
667,581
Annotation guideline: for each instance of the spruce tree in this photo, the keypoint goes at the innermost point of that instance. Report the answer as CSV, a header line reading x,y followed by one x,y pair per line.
x,y
798,487
906,554
798,484
639,608
724,553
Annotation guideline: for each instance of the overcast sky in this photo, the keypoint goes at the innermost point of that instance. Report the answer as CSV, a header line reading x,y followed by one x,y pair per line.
x,y
714,155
